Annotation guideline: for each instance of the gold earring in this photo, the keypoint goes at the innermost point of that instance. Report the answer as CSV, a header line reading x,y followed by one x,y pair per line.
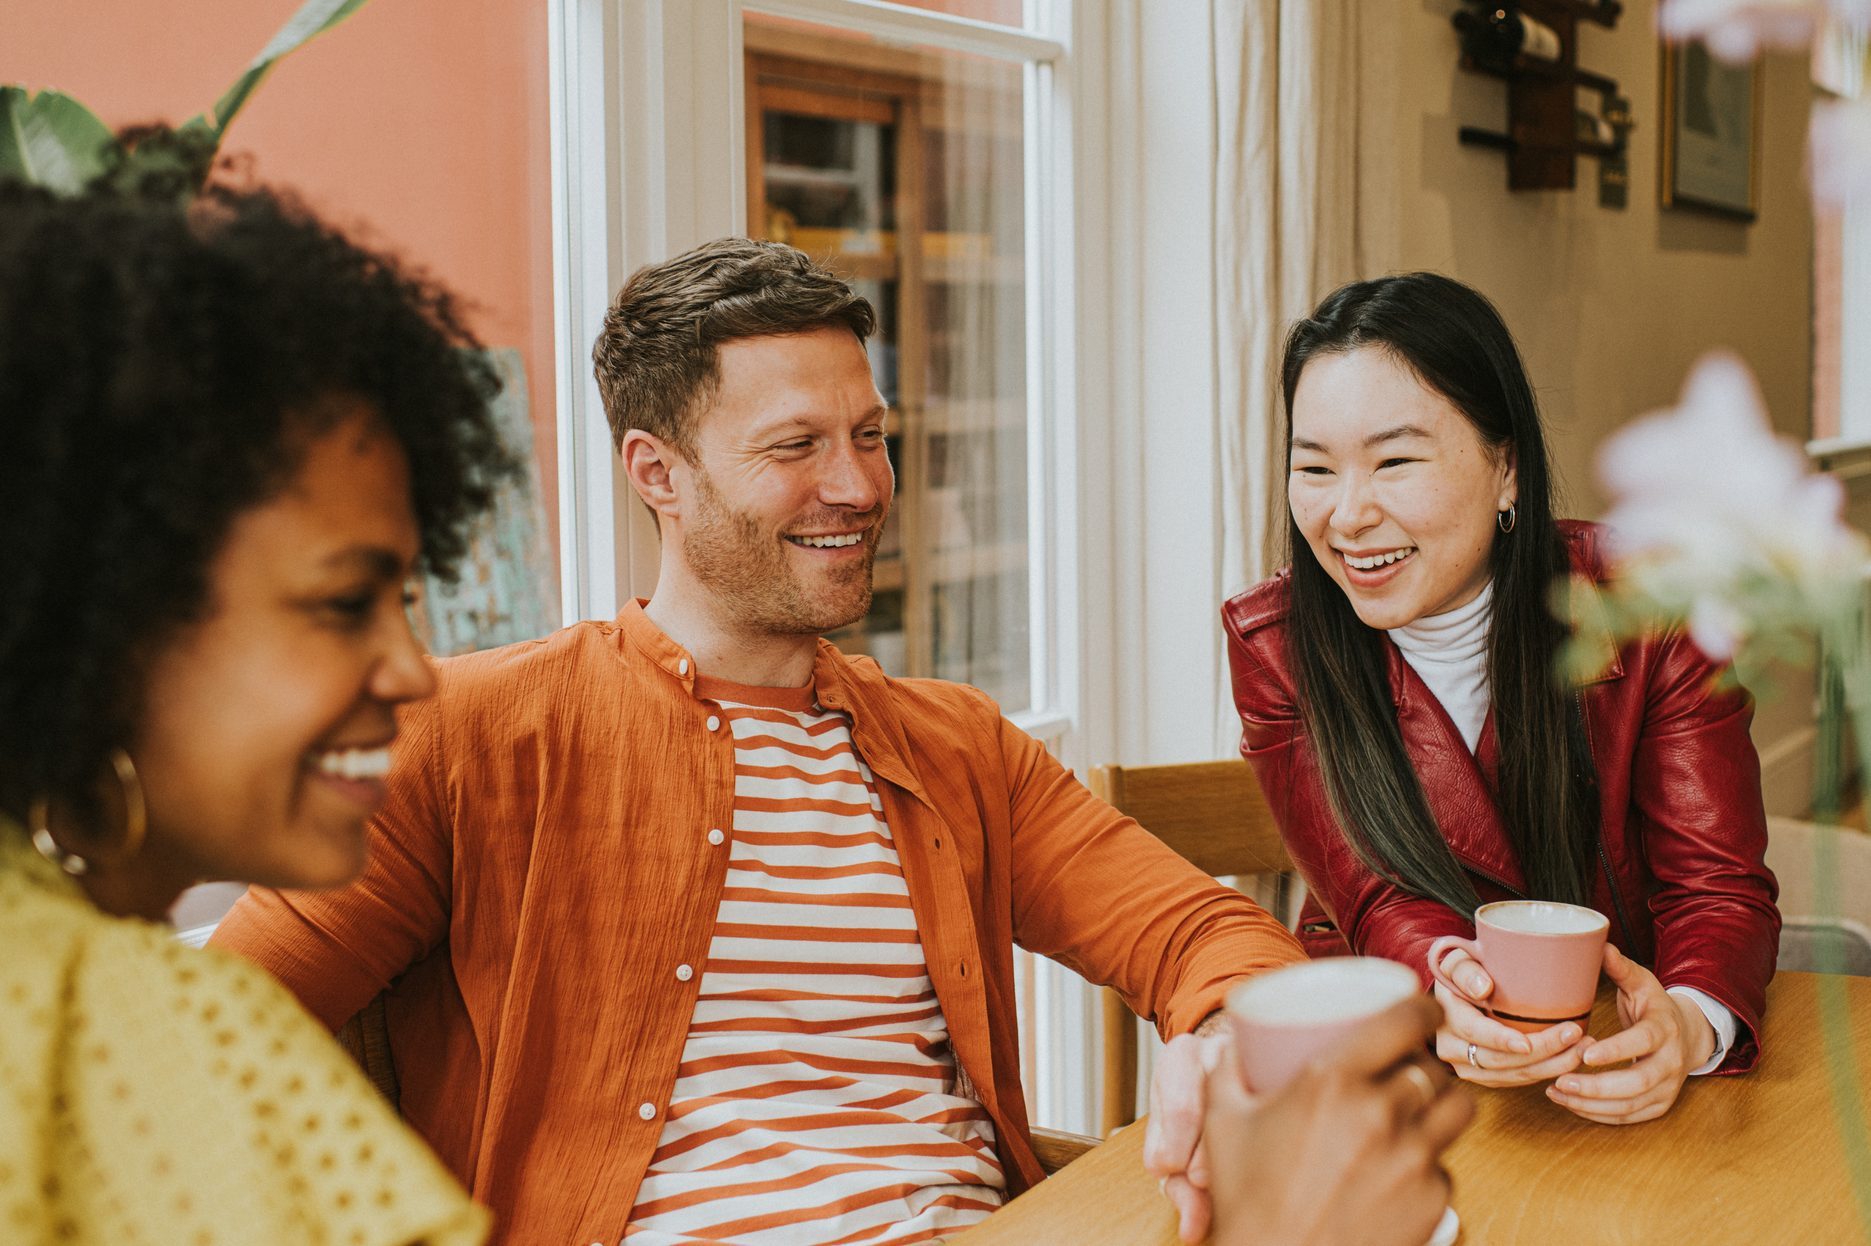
x,y
135,817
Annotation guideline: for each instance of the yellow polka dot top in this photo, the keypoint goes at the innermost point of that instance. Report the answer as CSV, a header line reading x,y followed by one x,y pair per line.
x,y
155,1095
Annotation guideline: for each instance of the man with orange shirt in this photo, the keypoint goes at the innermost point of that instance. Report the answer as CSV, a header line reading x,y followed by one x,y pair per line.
x,y
696,929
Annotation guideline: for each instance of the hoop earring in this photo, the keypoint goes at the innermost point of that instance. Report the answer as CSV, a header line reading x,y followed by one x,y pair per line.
x,y
1506,519
135,819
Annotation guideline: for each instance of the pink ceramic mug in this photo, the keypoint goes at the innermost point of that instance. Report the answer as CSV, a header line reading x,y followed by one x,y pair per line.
x,y
1285,1018
1544,958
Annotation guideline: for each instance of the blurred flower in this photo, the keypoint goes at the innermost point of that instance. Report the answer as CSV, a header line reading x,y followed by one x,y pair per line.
x,y
1737,30
1839,156
1716,519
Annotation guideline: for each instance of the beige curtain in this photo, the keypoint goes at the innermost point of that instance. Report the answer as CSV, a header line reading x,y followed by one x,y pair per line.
x,y
1287,87
1287,197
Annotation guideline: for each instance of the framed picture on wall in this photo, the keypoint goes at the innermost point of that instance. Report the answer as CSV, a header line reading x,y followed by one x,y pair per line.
x,y
1711,133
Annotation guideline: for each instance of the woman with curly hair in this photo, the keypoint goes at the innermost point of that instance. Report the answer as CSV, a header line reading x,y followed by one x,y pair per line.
x,y
229,438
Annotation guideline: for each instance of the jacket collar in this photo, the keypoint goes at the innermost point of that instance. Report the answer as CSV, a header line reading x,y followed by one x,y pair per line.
x,y
856,686
1585,604
1591,625
1460,791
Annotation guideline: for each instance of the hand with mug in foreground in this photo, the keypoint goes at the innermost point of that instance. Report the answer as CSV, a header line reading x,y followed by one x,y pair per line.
x,y
1664,1037
1346,1152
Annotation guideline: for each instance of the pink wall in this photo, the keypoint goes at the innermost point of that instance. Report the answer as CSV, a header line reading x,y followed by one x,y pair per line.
x,y
420,125
1006,12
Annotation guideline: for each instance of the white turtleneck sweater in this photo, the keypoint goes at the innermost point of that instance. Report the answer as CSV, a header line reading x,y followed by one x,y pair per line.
x,y
1450,653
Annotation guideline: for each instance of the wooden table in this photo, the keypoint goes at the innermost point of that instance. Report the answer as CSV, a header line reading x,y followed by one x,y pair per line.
x,y
1758,1159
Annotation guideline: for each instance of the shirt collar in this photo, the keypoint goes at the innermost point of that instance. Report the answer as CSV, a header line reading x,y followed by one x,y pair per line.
x,y
856,686
859,687
654,643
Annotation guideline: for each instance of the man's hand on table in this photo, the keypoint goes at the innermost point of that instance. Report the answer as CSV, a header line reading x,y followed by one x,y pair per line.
x,y
1173,1149
1346,1153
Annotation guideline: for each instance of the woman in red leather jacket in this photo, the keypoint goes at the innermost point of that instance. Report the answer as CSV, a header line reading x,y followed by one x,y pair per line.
x,y
1397,687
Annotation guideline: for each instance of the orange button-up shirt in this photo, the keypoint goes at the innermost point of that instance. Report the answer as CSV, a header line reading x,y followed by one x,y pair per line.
x,y
546,862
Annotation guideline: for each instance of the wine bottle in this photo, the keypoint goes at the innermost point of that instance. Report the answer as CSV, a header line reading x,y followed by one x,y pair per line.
x,y
1494,37
1592,128
1525,36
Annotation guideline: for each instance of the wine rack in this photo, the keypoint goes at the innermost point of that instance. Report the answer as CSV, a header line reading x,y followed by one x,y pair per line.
x,y
1547,130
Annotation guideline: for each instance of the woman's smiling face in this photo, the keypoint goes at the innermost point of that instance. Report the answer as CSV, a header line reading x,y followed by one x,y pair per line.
x,y
1392,487
266,725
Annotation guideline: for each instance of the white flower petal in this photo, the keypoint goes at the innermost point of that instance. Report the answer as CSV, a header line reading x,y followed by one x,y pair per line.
x,y
1704,491
1715,627
1838,157
1736,30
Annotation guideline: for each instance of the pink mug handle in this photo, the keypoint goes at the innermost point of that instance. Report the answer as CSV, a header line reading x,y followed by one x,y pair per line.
x,y
1441,948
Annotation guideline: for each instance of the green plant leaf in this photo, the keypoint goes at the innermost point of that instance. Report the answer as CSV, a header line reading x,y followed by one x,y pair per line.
x,y
314,18
50,140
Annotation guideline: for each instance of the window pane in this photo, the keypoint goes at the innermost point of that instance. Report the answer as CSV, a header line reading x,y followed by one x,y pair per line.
x,y
508,585
903,169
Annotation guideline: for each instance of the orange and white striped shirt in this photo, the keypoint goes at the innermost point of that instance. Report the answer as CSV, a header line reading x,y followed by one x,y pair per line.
x,y
817,1098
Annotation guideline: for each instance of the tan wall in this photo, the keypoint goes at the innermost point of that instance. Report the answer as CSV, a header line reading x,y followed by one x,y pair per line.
x,y
423,123
1610,307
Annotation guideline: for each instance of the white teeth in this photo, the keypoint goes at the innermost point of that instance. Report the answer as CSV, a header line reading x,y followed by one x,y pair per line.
x,y
1379,560
353,763
829,542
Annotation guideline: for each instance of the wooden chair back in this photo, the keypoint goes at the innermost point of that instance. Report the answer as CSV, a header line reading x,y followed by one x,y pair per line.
x,y
1211,813
1822,929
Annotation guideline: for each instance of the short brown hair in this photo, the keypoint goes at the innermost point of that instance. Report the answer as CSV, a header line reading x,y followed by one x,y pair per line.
x,y
656,359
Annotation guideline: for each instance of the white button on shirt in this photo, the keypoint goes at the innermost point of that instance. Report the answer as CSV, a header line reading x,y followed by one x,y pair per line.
x,y
684,973
647,1111
682,667
715,837
714,723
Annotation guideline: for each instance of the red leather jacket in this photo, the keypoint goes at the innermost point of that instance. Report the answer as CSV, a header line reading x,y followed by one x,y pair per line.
x,y
1681,837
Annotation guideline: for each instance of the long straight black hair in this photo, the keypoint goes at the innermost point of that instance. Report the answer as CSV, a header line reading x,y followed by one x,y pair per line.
x,y
1546,789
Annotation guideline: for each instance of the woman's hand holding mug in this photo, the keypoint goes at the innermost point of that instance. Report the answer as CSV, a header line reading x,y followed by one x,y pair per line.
x,y
1664,1036
1479,1048
1516,999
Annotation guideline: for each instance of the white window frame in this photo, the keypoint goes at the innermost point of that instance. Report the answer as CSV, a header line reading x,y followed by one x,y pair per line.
x,y
1852,401
629,193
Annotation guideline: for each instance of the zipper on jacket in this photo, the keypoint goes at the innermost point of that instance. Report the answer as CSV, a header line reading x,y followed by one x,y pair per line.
x,y
1617,901
1598,836
1502,883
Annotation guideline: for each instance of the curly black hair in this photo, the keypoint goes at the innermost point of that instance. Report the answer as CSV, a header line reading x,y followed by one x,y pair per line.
x,y
162,369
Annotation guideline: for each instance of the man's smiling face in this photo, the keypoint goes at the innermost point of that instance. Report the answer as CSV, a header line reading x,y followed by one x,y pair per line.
x,y
790,484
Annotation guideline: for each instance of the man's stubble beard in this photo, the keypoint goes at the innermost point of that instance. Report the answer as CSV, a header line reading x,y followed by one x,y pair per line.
x,y
751,575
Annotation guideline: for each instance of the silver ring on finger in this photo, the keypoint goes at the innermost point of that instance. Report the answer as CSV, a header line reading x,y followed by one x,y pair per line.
x,y
1472,1062
1419,1078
